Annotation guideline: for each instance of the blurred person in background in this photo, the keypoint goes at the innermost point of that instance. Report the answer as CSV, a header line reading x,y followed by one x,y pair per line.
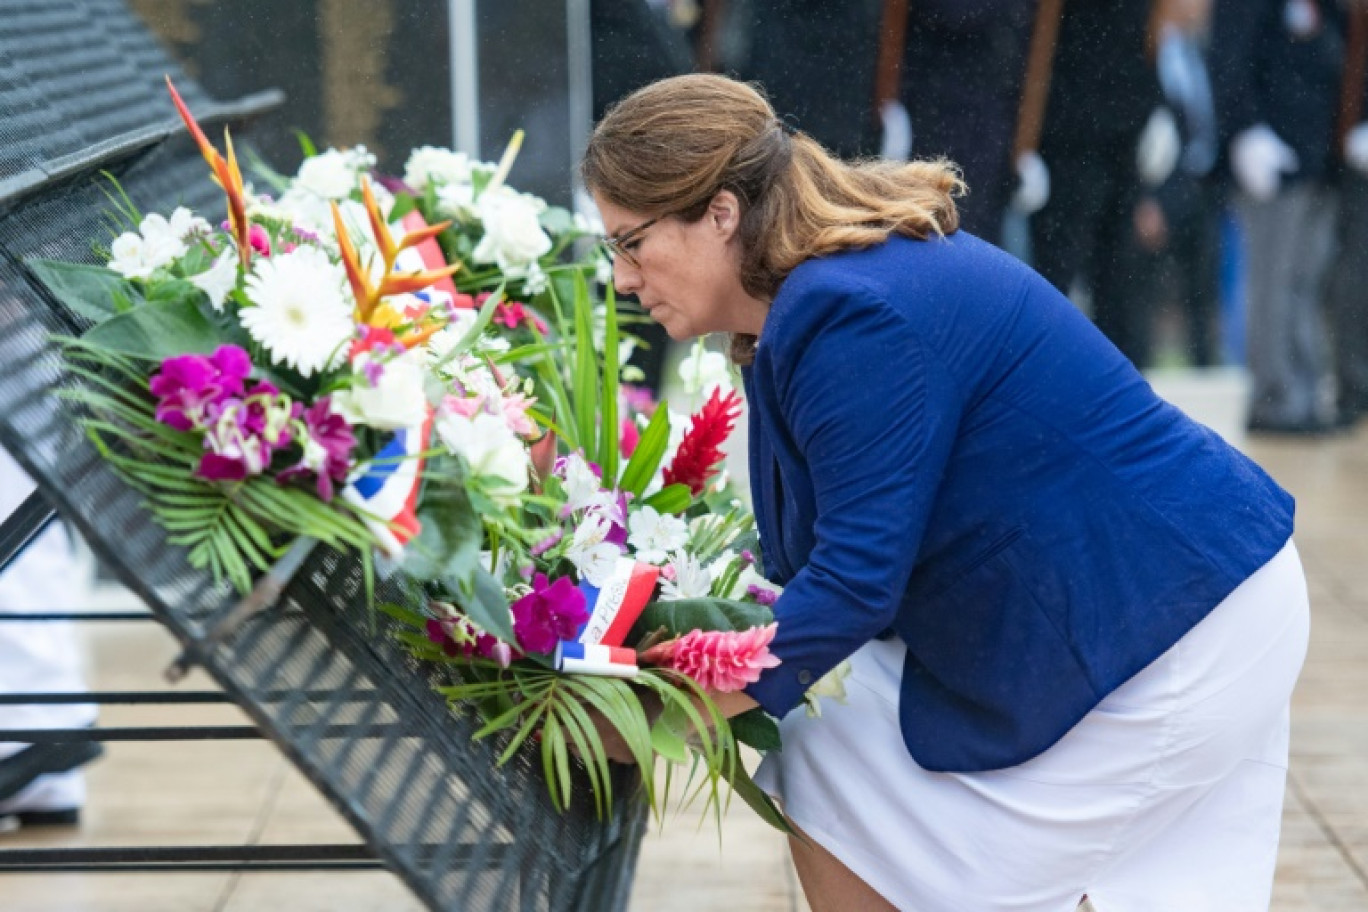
x,y
1103,89
1347,295
816,60
1277,69
962,71
40,783
1177,219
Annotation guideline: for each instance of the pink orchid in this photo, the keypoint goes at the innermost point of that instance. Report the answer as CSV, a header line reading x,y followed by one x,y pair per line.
x,y
465,406
719,660
515,408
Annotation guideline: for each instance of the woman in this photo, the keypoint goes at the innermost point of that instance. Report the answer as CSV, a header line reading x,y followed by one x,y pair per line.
x,y
1074,616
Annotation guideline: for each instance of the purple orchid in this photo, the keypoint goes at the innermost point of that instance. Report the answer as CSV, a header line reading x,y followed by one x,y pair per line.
x,y
190,387
551,612
328,442
245,431
458,637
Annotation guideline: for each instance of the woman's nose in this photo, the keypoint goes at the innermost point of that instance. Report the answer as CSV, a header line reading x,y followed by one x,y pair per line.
x,y
626,277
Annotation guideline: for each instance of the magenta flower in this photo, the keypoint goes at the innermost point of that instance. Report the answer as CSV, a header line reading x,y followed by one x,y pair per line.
x,y
260,240
244,432
328,442
719,660
459,637
551,612
189,387
766,597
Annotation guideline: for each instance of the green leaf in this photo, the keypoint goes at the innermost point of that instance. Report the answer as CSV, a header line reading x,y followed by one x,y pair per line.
x,y
744,786
403,205
608,412
675,498
756,728
557,220
668,734
585,389
91,291
306,145
641,468
487,607
157,330
175,291
680,616
448,545
403,615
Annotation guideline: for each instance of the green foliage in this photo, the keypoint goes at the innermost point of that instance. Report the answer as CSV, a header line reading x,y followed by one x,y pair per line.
x,y
157,330
650,450
608,410
94,292
230,529
756,728
675,498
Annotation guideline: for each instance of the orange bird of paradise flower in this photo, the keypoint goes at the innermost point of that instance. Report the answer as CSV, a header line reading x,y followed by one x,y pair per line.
x,y
368,296
226,175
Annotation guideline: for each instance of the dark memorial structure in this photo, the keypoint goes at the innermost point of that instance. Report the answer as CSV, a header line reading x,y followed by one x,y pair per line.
x,y
81,92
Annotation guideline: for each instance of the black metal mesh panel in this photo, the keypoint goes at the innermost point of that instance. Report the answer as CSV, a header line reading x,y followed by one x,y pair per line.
x,y
378,743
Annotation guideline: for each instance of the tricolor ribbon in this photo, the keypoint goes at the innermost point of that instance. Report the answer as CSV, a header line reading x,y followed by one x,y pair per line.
x,y
613,608
386,489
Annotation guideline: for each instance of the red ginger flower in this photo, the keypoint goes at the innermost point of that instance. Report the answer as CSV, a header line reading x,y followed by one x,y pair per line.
x,y
719,660
700,451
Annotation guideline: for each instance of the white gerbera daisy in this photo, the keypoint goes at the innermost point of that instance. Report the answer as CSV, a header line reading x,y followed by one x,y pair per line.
x,y
301,315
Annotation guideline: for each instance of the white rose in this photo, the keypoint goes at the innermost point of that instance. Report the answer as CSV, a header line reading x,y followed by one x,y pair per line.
x,y
329,174
457,200
397,400
513,234
435,165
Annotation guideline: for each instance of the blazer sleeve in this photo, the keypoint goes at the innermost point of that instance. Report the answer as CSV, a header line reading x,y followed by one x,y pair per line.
x,y
873,414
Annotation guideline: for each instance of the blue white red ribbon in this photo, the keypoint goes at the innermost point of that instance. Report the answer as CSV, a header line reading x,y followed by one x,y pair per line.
x,y
613,608
386,489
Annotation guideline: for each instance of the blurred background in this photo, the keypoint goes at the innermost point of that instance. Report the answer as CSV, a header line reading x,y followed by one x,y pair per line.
x,y
1193,173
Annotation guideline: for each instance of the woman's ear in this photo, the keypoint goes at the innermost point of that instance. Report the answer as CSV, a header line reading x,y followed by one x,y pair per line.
x,y
724,214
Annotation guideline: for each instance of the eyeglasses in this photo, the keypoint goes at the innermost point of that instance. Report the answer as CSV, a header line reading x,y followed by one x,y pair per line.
x,y
617,245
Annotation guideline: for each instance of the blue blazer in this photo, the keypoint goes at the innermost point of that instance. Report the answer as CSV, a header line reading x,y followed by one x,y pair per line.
x,y
943,446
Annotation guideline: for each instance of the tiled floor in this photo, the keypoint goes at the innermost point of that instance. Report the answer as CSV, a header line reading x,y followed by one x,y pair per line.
x,y
232,792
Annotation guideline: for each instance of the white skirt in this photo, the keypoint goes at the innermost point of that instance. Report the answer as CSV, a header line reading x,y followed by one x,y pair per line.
x,y
1168,795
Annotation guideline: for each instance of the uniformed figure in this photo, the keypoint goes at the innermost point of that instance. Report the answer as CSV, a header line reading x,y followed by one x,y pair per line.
x,y
1103,89
1276,70
961,86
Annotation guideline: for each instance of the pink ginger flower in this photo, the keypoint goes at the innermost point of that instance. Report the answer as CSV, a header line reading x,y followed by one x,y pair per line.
x,y
719,660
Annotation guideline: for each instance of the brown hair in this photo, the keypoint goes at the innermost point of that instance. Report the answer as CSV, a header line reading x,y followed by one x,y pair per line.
x,y
671,146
